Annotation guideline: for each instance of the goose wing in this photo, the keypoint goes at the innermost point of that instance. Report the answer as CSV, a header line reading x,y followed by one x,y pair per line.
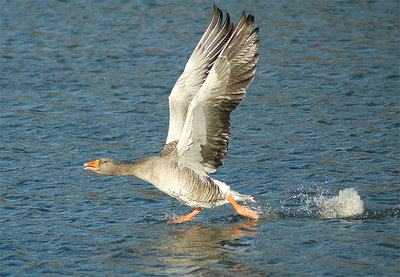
x,y
204,140
196,70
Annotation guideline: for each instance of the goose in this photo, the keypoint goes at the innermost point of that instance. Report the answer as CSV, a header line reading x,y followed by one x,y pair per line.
x,y
213,83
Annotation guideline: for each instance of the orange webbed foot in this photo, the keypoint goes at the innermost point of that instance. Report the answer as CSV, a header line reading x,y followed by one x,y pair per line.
x,y
185,218
242,210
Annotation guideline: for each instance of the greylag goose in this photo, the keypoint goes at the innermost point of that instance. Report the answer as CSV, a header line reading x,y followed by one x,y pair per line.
x,y
212,84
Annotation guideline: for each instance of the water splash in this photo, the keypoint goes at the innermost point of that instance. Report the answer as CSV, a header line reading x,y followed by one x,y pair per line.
x,y
347,204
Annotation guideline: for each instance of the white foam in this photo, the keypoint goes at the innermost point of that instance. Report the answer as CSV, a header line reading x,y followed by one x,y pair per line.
x,y
347,204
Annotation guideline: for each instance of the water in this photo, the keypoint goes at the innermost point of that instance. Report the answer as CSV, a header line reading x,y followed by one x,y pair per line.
x,y
316,141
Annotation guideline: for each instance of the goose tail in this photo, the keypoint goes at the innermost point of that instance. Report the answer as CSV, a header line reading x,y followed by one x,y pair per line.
x,y
226,190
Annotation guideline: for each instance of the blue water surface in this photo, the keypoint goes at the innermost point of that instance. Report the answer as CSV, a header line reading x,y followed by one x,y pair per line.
x,y
90,79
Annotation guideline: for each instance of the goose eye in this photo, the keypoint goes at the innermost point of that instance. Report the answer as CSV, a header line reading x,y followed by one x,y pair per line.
x,y
104,162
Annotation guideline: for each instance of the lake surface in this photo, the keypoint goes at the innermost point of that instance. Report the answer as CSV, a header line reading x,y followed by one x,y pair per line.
x,y
316,141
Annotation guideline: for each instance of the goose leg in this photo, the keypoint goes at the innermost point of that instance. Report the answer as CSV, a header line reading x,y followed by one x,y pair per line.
x,y
242,210
186,217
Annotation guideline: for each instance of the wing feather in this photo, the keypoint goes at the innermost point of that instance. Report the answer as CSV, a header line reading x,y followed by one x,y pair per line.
x,y
204,140
196,70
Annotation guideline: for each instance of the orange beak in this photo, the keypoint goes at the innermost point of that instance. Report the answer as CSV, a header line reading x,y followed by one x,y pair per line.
x,y
93,166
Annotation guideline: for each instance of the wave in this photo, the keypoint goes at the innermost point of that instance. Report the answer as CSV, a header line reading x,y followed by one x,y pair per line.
x,y
347,204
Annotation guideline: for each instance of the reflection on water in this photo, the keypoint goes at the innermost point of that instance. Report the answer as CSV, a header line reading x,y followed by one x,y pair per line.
x,y
190,249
